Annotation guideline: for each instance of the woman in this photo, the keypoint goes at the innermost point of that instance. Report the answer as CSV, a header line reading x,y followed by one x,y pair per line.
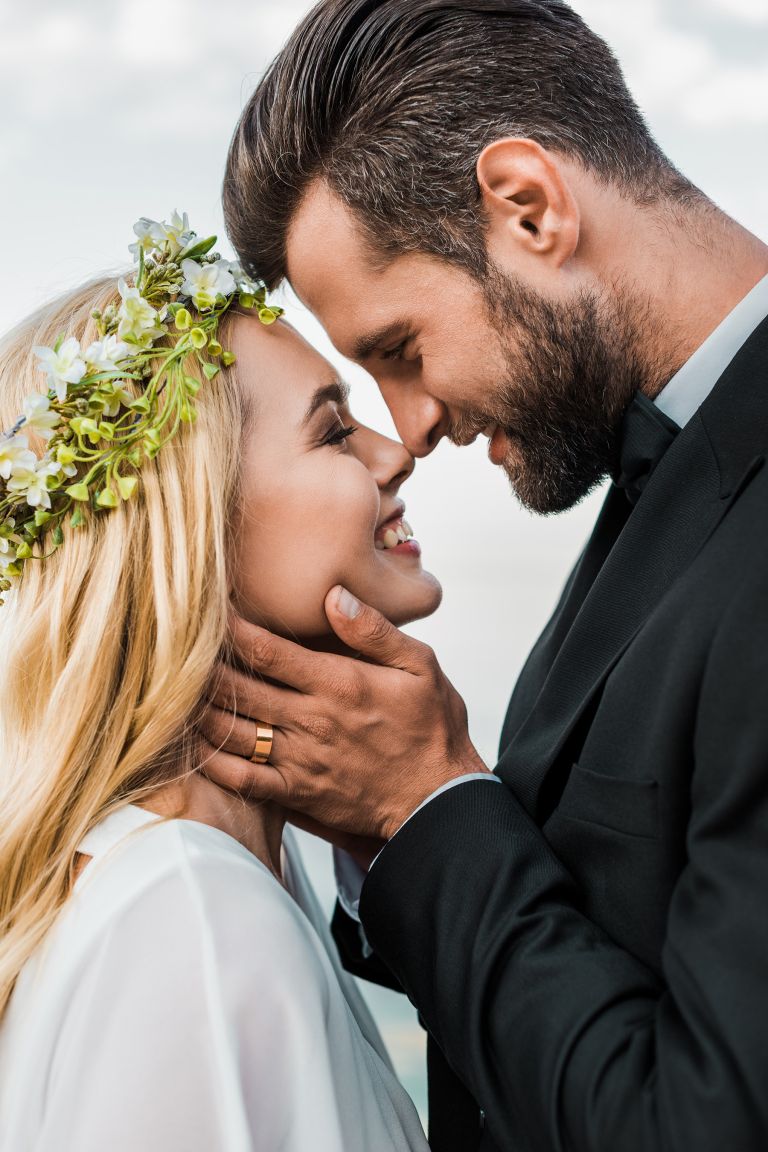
x,y
166,977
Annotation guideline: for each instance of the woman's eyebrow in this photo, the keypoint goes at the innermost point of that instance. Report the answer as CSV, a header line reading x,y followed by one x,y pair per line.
x,y
337,392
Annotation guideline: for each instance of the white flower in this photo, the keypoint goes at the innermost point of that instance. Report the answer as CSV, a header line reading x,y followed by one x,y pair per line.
x,y
33,483
204,283
138,320
63,367
15,457
121,397
178,232
152,234
242,279
103,355
7,553
38,416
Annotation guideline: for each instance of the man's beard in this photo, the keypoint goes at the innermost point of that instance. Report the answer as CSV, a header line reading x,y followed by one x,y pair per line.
x,y
572,371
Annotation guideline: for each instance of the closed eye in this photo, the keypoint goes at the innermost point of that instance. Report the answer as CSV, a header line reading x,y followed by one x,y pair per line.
x,y
395,353
339,435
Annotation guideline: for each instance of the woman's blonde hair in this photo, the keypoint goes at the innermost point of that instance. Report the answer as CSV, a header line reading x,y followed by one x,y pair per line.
x,y
107,645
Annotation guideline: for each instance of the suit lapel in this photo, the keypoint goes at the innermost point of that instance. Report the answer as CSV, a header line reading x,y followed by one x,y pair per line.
x,y
700,477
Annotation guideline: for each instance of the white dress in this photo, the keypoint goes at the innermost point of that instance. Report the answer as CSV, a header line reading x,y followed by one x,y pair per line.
x,y
186,1002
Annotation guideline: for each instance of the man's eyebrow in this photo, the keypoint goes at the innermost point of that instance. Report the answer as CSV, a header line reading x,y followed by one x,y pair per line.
x,y
336,393
367,344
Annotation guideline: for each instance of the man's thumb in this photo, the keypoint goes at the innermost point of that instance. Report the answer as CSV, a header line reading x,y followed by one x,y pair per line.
x,y
366,630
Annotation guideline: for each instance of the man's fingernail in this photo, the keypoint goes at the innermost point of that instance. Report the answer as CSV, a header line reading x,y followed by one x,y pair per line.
x,y
347,604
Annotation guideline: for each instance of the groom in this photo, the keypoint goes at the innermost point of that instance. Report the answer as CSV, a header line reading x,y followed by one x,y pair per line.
x,y
467,197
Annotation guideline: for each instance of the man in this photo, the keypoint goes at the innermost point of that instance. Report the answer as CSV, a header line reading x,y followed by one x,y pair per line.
x,y
467,197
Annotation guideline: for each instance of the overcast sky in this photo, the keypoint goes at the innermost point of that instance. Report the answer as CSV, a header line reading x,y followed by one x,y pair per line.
x,y
114,109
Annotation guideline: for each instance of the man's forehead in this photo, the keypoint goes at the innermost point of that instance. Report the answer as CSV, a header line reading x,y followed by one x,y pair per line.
x,y
324,244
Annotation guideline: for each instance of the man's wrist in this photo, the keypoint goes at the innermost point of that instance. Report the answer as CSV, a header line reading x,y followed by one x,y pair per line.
x,y
472,768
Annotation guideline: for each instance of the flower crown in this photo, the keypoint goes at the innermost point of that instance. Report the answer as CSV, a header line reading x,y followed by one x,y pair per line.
x,y
98,431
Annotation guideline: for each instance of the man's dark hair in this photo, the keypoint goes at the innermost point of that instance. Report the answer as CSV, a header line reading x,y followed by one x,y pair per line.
x,y
392,101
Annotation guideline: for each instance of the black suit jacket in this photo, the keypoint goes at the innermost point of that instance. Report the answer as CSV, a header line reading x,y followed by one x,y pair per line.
x,y
588,945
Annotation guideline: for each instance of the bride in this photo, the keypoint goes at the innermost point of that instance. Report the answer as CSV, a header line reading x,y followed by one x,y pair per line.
x,y
167,980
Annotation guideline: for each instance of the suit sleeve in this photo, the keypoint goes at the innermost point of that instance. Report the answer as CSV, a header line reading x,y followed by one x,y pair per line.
x,y
567,1041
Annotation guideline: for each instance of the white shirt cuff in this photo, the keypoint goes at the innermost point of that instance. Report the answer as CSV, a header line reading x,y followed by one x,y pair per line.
x,y
350,877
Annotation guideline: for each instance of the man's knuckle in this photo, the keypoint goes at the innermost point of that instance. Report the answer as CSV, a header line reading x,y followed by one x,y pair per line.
x,y
261,652
320,729
377,629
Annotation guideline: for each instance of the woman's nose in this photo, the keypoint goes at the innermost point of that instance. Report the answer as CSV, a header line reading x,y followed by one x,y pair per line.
x,y
389,462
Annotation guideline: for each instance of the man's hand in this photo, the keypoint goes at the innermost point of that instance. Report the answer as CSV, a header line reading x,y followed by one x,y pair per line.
x,y
359,744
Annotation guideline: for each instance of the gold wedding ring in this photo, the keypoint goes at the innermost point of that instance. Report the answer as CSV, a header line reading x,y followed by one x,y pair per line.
x,y
265,734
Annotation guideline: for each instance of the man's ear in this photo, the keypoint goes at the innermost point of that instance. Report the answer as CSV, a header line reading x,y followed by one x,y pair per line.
x,y
528,201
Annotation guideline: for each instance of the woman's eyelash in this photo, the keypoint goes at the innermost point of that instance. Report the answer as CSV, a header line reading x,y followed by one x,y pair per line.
x,y
339,435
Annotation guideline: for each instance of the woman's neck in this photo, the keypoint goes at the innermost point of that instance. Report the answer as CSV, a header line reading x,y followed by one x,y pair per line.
x,y
257,826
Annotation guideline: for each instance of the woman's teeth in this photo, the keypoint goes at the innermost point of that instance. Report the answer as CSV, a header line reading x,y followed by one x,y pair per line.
x,y
398,534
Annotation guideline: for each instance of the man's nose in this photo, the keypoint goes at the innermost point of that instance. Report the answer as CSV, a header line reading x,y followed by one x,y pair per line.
x,y
420,419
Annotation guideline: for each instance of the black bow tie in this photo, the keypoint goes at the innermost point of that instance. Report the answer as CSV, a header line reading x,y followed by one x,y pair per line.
x,y
646,433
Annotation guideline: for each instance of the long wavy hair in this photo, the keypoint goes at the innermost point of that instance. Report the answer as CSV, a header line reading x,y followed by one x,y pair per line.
x,y
107,645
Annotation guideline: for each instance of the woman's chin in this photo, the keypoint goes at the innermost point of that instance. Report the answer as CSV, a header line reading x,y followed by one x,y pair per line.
x,y
416,603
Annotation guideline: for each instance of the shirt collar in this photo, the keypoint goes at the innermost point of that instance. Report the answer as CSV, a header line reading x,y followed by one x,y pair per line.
x,y
689,387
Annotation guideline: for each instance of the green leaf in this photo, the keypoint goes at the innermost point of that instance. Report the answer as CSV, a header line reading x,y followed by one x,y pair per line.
x,y
197,249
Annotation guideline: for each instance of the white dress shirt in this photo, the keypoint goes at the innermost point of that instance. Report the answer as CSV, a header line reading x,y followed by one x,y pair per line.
x,y
680,400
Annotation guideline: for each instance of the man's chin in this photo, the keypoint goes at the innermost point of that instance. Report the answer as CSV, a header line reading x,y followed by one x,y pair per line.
x,y
541,493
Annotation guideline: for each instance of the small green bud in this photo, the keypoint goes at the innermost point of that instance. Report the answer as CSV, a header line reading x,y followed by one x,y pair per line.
x,y
192,385
215,348
267,316
247,300
135,456
58,536
228,358
107,499
107,430
188,413
79,491
210,370
77,519
23,551
183,319
141,405
198,338
127,485
41,517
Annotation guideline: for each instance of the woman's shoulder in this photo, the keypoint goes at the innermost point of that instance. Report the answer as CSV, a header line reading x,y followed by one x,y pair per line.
x,y
186,881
